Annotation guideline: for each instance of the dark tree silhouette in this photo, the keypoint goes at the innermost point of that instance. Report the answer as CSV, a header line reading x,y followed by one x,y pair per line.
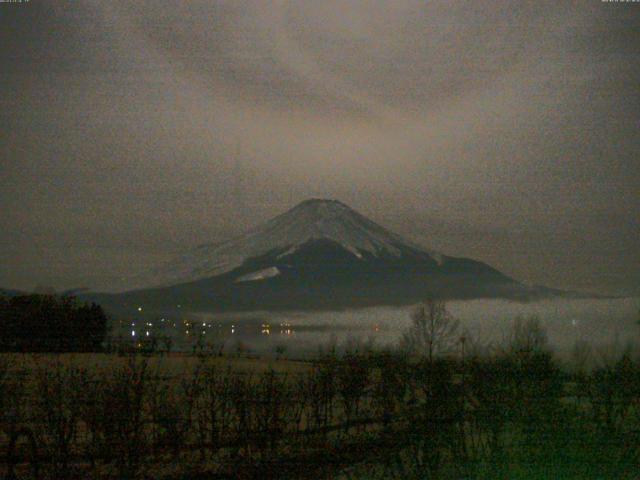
x,y
48,323
433,330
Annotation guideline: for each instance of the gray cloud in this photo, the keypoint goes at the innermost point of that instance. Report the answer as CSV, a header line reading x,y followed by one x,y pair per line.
x,y
168,124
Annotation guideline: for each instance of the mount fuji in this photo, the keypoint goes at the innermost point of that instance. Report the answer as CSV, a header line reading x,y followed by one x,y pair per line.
x,y
321,254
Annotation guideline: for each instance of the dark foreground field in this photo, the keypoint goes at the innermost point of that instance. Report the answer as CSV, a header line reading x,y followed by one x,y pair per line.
x,y
363,414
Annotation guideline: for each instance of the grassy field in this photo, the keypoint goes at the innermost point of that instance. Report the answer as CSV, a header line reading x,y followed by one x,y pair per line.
x,y
362,415
173,363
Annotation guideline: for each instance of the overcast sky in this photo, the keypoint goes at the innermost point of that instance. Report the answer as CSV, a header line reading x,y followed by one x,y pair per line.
x,y
502,131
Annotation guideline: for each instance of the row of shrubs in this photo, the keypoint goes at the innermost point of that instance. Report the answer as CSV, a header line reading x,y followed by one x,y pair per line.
x,y
496,416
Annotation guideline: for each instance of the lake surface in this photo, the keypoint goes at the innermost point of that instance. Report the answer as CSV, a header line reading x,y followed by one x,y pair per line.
x,y
606,324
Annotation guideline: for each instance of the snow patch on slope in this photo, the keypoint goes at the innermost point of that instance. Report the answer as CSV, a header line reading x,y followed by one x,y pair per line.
x,y
259,275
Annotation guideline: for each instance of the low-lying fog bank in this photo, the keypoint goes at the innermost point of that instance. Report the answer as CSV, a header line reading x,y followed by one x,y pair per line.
x,y
608,325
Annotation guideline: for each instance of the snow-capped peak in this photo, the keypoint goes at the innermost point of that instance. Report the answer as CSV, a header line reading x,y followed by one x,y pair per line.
x,y
313,219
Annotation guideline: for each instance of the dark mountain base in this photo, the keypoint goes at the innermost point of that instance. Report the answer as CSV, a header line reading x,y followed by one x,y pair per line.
x,y
324,276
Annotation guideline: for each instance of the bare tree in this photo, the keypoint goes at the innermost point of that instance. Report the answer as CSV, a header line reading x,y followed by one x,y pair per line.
x,y
280,351
167,342
433,330
527,335
581,355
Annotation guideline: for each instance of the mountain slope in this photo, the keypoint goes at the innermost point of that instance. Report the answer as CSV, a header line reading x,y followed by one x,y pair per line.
x,y
320,254
313,219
